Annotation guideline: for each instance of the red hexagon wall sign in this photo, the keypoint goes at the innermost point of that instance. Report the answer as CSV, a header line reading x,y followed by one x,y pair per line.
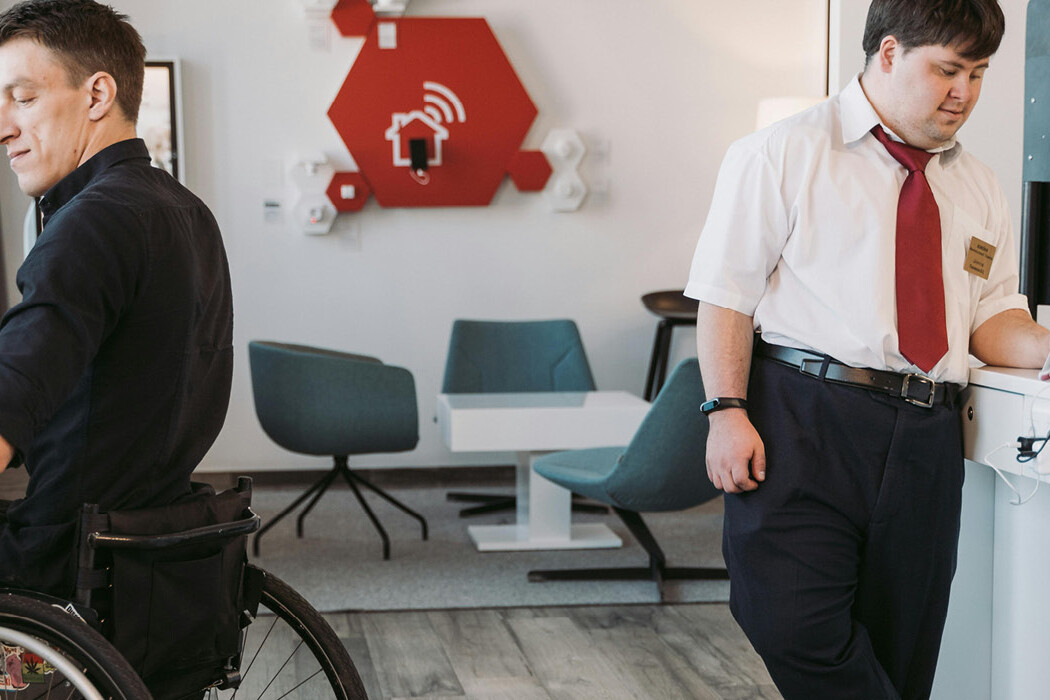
x,y
353,17
530,170
432,112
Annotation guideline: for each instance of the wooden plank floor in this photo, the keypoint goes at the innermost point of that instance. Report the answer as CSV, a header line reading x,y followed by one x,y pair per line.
x,y
637,652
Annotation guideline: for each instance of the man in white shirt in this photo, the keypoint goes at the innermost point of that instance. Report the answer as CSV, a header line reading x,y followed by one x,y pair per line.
x,y
836,436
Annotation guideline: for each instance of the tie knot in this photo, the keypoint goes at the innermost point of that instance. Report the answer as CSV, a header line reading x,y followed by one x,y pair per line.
x,y
912,158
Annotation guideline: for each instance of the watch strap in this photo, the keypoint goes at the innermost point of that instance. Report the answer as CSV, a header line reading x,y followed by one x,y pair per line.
x,y
720,403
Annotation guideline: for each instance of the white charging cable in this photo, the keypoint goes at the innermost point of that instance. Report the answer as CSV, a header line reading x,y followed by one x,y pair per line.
x,y
1036,399
1027,454
1021,499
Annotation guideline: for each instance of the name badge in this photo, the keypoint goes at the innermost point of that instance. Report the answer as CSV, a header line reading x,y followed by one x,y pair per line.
x,y
979,258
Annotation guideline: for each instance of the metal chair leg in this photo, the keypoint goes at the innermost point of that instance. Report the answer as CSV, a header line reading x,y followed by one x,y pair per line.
x,y
654,361
341,467
273,521
666,332
657,570
317,497
470,497
368,511
493,506
494,503
390,499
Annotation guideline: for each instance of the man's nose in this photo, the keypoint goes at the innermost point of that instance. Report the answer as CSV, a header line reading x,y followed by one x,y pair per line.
x,y
961,88
8,130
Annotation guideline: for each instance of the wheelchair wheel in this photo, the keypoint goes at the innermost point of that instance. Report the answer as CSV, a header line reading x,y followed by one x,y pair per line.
x,y
47,652
290,651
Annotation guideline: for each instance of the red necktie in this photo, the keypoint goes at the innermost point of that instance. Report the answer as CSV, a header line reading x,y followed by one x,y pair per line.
x,y
921,327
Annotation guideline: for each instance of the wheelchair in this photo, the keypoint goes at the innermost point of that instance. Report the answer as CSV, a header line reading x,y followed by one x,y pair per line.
x,y
171,612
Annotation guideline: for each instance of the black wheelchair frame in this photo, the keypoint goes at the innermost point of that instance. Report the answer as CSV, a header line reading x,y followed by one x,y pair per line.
x,y
121,639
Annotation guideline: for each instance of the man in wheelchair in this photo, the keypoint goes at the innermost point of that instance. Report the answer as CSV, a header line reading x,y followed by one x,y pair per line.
x,y
115,374
115,367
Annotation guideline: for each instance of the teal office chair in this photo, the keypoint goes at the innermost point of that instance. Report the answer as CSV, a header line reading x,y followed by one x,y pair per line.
x,y
513,356
662,469
322,402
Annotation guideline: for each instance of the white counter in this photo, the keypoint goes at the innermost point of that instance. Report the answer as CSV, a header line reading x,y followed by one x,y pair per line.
x,y
998,630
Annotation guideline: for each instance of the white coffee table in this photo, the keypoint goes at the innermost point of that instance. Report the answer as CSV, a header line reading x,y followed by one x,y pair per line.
x,y
532,424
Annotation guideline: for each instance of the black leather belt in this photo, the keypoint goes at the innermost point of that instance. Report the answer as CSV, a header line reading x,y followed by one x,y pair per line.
x,y
916,389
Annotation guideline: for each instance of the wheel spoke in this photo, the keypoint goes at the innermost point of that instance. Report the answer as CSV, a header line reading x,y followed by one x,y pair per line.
x,y
259,650
297,646
303,682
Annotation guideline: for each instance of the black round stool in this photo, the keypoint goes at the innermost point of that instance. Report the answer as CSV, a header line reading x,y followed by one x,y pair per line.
x,y
674,309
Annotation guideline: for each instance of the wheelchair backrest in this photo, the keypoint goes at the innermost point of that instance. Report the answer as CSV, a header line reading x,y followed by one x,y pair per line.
x,y
168,585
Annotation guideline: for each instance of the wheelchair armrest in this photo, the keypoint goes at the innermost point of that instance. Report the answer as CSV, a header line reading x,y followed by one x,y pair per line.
x,y
200,535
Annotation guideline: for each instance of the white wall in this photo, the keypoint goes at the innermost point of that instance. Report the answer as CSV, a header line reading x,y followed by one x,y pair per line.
x,y
667,83
994,132
845,54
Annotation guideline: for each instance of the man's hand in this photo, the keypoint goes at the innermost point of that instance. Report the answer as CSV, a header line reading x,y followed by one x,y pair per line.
x,y
736,457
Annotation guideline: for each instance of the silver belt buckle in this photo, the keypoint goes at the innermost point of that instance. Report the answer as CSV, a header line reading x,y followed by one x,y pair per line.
x,y
818,361
922,380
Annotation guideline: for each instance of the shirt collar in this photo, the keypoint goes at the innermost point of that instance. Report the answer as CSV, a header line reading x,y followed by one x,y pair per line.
x,y
71,185
859,117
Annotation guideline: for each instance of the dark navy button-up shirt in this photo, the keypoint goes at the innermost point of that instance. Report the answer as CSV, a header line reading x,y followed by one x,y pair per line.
x,y
115,368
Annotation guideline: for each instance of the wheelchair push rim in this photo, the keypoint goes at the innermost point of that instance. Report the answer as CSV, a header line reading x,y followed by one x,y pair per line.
x,y
69,655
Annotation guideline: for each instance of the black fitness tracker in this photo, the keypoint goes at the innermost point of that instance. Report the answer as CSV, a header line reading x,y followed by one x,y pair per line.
x,y
709,407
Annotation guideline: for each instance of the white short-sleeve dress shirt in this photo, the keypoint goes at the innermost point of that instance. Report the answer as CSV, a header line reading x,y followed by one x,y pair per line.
x,y
801,236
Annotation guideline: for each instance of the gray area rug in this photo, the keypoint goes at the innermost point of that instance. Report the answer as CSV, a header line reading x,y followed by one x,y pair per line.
x,y
338,564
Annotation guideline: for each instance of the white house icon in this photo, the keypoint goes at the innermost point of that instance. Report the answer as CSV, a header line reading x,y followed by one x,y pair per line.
x,y
416,125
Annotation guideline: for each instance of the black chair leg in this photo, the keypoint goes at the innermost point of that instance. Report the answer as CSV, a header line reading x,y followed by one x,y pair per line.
x,y
390,499
340,467
321,483
667,330
470,497
654,360
494,506
657,570
487,502
584,507
644,535
317,497
348,475
494,503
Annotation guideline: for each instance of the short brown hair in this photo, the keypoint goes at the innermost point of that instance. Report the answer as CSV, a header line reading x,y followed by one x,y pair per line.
x,y
86,37
975,26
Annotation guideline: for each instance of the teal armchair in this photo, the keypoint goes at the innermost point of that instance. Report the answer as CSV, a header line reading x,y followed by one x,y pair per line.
x,y
323,402
513,356
662,469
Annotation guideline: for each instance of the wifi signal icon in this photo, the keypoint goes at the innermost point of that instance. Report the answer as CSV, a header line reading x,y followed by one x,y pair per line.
x,y
442,104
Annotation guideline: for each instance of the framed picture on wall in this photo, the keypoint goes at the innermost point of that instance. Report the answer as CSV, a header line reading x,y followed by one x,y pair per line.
x,y
160,116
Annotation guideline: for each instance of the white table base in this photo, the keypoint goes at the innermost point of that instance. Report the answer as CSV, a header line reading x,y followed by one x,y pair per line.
x,y
544,518
515,538
533,424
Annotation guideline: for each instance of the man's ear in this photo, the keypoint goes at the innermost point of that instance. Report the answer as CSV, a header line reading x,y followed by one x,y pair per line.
x,y
103,90
889,51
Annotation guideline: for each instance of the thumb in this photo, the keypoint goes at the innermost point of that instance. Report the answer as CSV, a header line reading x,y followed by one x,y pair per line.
x,y
758,463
